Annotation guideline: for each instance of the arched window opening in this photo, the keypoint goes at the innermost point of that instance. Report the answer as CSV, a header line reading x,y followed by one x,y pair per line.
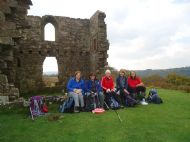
x,y
50,72
49,32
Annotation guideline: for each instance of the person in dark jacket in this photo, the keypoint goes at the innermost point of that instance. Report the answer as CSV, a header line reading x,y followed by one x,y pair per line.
x,y
122,85
107,84
76,87
93,88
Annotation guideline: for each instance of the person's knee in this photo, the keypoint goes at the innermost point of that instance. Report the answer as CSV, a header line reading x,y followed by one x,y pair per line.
x,y
141,88
80,95
70,94
101,93
88,94
74,95
101,96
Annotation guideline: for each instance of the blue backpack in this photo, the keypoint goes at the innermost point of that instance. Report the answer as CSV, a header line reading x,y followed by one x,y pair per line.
x,y
67,106
153,97
114,104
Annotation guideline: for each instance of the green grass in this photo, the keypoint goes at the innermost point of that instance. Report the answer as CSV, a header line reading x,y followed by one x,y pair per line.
x,y
169,122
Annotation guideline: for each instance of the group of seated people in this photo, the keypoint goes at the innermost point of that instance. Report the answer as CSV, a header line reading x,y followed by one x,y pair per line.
x,y
130,86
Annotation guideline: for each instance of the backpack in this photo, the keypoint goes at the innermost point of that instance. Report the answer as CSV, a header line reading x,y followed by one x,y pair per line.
x,y
153,97
37,106
44,108
130,102
67,106
114,104
91,102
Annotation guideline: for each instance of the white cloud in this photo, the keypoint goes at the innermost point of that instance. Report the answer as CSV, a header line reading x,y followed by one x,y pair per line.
x,y
142,33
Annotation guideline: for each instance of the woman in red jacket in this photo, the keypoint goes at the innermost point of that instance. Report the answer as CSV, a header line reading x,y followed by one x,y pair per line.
x,y
107,84
135,86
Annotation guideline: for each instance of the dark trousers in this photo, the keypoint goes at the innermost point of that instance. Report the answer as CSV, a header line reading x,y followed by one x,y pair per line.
x,y
123,96
111,94
137,93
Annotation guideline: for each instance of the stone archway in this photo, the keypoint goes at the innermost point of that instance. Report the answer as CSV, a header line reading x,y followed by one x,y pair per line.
x,y
49,19
49,32
50,72
50,49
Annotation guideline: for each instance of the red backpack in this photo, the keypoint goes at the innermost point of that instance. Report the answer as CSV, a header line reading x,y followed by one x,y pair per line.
x,y
44,108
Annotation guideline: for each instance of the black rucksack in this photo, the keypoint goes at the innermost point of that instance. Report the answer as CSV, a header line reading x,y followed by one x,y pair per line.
x,y
130,102
91,102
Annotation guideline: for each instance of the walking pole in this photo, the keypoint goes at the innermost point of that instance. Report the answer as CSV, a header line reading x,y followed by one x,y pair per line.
x,y
31,114
106,105
98,100
117,113
118,116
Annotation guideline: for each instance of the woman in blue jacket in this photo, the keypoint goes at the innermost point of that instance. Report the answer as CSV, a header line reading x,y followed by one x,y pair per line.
x,y
93,87
76,88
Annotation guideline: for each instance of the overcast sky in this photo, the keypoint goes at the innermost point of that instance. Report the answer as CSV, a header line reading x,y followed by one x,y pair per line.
x,y
143,34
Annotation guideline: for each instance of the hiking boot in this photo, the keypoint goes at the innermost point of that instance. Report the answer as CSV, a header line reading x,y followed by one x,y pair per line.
x,y
76,109
122,107
106,108
143,102
82,109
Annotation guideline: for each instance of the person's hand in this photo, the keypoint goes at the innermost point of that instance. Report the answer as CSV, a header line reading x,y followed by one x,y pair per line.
x,y
79,91
140,84
108,90
118,92
75,90
92,92
114,89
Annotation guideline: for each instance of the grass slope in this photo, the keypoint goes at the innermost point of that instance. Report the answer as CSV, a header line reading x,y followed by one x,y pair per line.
x,y
169,122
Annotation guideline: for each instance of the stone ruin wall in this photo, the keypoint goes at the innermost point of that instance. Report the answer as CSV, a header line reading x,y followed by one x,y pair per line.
x,y
80,44
12,22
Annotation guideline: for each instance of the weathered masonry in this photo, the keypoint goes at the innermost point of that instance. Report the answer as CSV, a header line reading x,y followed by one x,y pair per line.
x,y
80,44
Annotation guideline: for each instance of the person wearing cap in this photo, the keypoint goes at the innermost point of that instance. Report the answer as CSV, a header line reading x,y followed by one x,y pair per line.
x,y
93,87
107,84
76,87
122,85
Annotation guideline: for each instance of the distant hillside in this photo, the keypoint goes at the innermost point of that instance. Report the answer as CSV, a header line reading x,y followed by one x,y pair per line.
x,y
184,71
50,73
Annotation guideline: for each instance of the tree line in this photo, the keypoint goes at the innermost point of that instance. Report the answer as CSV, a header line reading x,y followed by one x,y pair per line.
x,y
171,81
